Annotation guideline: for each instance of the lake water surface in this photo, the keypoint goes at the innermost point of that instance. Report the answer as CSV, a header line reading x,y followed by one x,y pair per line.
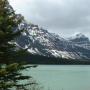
x,y
62,77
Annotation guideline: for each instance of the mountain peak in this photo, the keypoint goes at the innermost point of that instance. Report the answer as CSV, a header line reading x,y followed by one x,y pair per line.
x,y
79,39
80,35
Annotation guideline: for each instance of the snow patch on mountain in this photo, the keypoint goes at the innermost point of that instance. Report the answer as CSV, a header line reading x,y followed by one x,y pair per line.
x,y
40,41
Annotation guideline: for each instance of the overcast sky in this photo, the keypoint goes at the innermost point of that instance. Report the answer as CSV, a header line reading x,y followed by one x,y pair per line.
x,y
65,17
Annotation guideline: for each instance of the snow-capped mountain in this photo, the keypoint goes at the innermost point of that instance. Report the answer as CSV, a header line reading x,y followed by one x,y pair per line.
x,y
81,40
40,41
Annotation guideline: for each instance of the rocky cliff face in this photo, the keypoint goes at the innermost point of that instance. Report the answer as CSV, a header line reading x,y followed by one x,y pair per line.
x,y
40,41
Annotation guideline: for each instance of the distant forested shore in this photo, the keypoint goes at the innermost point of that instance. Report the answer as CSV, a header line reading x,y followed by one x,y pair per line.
x,y
39,59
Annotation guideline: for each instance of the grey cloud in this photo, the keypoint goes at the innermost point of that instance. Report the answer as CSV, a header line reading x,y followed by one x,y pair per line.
x,y
63,16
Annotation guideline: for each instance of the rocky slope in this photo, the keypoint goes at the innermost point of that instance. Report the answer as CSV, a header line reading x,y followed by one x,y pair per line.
x,y
40,41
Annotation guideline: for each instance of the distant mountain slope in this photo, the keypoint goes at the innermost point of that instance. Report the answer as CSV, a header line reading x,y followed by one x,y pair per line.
x,y
81,41
40,41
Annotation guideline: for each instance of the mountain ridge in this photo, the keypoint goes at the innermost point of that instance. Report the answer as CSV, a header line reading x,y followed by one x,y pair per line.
x,y
40,41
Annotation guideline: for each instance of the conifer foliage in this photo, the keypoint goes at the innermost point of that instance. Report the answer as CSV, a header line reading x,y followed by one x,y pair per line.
x,y
9,69
8,24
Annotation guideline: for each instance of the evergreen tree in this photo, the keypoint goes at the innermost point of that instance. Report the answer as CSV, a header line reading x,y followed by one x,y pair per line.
x,y
10,76
8,24
9,69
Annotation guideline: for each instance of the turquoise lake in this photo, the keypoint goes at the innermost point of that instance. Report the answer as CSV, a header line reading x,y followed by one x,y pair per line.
x,y
62,77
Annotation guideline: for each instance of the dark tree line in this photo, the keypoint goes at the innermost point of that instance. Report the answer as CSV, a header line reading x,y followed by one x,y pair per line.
x,y
38,59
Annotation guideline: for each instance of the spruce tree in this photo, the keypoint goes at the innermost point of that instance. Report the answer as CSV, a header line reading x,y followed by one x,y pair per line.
x,y
8,24
9,31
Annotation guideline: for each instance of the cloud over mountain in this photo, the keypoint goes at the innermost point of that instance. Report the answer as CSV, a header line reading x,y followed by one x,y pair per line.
x,y
60,16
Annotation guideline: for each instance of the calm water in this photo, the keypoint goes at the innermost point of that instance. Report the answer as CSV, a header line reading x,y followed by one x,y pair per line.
x,y
62,77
